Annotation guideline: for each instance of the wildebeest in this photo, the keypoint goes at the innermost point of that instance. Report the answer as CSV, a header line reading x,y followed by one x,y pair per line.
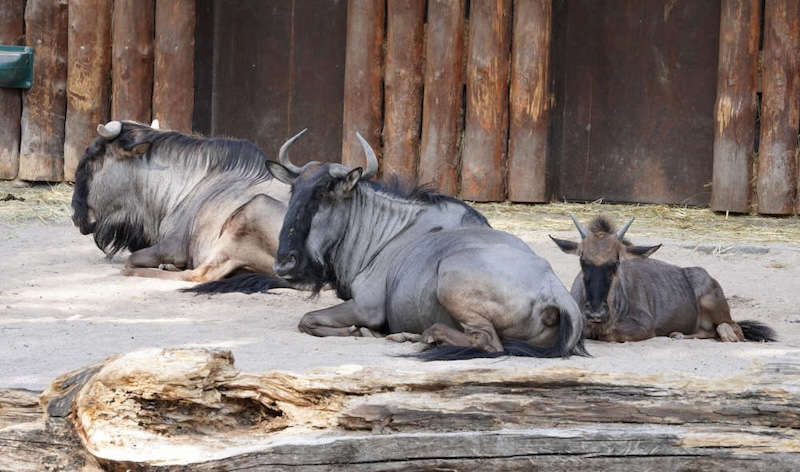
x,y
418,262
207,206
626,296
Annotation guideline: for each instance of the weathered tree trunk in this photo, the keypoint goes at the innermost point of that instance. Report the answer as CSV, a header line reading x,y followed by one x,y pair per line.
x,y
363,95
483,166
88,77
132,60
403,82
44,105
735,110
530,101
177,408
780,112
11,32
441,117
173,86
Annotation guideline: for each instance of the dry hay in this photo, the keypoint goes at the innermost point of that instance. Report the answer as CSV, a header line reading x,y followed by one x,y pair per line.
x,y
662,220
43,202
51,203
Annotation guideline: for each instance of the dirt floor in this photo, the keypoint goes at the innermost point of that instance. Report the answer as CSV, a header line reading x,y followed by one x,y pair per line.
x,y
63,305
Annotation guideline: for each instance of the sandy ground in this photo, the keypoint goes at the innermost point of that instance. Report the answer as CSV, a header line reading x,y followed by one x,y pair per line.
x,y
63,306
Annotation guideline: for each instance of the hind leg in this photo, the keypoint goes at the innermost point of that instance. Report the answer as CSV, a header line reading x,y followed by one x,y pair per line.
x,y
715,314
248,239
473,311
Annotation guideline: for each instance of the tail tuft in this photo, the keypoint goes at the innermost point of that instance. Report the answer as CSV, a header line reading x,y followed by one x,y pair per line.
x,y
246,282
511,347
757,331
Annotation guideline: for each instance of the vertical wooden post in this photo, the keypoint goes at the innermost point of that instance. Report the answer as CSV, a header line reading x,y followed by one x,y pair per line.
x,y
735,109
482,168
530,101
44,105
173,84
88,77
132,60
780,108
441,116
363,95
11,28
403,83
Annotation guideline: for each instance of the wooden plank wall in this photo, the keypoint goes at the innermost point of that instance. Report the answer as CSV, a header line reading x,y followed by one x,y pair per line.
x,y
11,32
780,107
92,62
735,109
456,95
484,131
88,78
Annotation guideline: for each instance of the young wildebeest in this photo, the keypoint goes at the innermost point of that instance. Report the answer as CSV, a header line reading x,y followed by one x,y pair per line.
x,y
626,296
418,262
208,206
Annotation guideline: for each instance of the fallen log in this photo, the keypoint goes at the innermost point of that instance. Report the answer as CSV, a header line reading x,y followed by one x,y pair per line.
x,y
167,409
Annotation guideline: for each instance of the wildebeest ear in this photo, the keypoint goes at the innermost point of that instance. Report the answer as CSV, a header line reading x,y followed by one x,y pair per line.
x,y
642,251
281,173
569,247
350,180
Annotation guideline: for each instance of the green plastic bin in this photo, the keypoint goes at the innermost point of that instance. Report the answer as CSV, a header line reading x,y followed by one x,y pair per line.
x,y
16,66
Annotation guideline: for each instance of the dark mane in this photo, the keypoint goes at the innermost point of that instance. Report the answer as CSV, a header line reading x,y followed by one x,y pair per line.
x,y
423,193
212,155
601,224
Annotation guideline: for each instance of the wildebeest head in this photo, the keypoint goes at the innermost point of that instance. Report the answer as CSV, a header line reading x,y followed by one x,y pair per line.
x,y
601,250
101,183
314,221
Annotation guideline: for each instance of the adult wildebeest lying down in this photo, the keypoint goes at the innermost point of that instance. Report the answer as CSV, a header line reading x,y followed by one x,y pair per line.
x,y
418,262
208,206
626,296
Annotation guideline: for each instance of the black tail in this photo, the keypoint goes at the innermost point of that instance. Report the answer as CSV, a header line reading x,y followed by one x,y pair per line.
x,y
757,331
246,282
511,347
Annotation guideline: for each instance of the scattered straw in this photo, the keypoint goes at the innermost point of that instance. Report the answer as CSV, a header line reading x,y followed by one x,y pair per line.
x,y
661,220
43,202
51,203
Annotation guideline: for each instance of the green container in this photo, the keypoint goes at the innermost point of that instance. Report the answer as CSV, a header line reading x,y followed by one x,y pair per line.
x,y
16,66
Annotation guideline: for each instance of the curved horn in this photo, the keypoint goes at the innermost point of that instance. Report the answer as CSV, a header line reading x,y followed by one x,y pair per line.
x,y
109,130
284,158
580,227
372,161
155,124
621,232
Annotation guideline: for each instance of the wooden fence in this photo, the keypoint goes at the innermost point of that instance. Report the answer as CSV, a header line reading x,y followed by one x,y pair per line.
x,y
94,59
498,52
446,91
